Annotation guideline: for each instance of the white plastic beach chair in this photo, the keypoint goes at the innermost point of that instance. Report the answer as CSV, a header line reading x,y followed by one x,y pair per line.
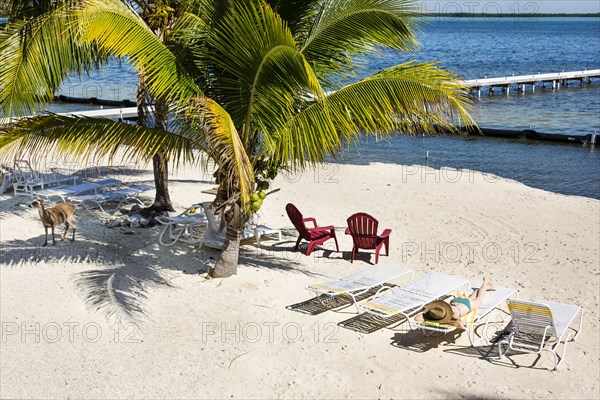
x,y
410,298
122,195
183,227
61,193
361,282
6,178
214,236
262,230
27,179
491,302
538,324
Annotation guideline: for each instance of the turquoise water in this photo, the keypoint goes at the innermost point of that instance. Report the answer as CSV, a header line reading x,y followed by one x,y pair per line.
x,y
476,48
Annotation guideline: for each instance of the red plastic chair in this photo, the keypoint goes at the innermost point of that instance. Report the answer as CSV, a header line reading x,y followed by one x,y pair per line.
x,y
315,236
363,229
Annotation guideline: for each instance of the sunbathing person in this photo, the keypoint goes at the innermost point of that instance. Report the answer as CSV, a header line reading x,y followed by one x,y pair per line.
x,y
451,313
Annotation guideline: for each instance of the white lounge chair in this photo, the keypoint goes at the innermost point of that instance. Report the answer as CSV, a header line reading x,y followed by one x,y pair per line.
x,y
410,298
538,324
491,302
121,196
27,179
7,177
214,236
262,230
361,282
62,193
183,227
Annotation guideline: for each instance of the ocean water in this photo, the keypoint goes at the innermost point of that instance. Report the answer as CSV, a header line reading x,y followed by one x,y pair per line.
x,y
496,47
476,48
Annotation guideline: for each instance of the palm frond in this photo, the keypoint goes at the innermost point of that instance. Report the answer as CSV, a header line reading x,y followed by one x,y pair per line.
x,y
298,14
85,138
345,29
258,75
407,98
224,146
120,30
187,42
37,54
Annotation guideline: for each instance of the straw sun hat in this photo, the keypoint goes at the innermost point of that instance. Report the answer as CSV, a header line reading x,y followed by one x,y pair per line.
x,y
438,311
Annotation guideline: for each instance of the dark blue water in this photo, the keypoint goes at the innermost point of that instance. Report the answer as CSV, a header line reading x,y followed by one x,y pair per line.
x,y
478,48
495,47
565,169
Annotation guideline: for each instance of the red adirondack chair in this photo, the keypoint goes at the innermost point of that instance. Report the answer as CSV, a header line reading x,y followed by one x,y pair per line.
x,y
363,229
316,235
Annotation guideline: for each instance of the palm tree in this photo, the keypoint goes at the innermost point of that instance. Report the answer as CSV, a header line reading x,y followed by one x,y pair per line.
x,y
37,18
270,92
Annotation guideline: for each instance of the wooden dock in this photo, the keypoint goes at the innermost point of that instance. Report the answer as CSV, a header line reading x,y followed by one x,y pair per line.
x,y
555,79
110,113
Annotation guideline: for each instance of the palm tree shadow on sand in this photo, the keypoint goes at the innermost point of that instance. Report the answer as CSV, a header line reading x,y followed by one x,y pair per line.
x,y
120,292
128,263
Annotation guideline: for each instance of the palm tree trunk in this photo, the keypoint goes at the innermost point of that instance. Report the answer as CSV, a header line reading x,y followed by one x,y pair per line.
x,y
162,200
142,99
227,263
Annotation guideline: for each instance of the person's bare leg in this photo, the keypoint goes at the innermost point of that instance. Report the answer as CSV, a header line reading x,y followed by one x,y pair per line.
x,y
477,296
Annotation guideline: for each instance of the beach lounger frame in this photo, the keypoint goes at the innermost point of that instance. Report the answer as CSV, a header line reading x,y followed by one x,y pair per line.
x,y
262,230
540,326
214,235
62,193
123,195
361,282
483,315
8,177
27,179
182,227
409,299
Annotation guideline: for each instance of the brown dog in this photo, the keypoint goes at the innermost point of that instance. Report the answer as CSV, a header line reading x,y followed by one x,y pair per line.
x,y
62,212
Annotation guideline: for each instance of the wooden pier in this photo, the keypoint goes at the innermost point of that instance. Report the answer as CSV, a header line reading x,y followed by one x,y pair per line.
x,y
555,80
110,113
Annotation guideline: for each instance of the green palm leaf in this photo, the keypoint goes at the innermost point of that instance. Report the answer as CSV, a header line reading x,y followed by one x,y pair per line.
x,y
37,55
224,146
344,29
260,75
408,98
85,139
107,22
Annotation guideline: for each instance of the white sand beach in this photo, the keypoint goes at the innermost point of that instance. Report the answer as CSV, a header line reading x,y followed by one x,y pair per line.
x,y
115,315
